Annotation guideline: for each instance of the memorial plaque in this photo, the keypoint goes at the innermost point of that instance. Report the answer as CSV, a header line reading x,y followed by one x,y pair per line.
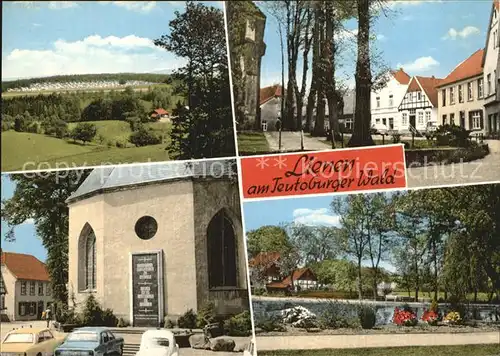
x,y
146,284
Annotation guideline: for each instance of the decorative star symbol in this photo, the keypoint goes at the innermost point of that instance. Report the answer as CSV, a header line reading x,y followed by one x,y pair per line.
x,y
280,162
262,162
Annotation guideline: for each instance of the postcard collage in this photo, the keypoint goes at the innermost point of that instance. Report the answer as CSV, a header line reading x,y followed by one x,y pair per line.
x,y
189,178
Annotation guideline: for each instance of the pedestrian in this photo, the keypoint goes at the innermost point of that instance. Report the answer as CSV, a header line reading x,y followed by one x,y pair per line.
x,y
48,316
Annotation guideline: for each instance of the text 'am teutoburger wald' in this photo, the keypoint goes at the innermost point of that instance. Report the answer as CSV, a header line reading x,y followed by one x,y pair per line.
x,y
324,172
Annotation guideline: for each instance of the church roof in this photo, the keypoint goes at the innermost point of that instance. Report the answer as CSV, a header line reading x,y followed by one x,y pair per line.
x,y
105,179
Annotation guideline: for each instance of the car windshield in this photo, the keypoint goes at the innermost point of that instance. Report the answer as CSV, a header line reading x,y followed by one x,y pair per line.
x,y
83,336
19,338
159,341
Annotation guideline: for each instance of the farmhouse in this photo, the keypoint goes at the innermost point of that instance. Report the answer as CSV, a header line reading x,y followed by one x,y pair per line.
x,y
159,113
26,289
491,72
151,241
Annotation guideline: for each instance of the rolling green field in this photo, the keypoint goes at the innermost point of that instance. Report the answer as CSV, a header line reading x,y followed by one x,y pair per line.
x,y
465,350
29,151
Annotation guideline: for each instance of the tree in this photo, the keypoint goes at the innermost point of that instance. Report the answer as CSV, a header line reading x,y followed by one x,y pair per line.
x,y
42,197
84,131
269,238
317,243
206,128
144,137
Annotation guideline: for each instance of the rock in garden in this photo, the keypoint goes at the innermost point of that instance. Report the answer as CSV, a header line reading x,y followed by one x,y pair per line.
x,y
199,342
222,344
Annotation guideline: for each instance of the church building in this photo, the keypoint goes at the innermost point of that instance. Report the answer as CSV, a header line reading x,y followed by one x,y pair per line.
x,y
157,240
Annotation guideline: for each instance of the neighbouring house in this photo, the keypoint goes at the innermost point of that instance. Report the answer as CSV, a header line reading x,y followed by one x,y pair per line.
x,y
460,95
384,288
385,101
491,72
419,107
159,114
265,272
303,279
158,240
246,45
347,118
26,287
270,107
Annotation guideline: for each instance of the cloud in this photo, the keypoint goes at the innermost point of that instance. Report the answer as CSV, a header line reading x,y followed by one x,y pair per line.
x,y
419,65
37,25
381,38
395,3
93,54
315,217
464,33
53,5
137,6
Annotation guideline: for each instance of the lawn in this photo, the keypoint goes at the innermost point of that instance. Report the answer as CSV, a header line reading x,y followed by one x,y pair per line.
x,y
108,131
28,150
455,350
252,142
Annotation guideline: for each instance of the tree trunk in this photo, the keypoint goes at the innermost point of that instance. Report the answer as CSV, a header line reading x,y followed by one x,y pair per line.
x,y
282,102
362,117
305,67
319,125
434,252
360,285
330,71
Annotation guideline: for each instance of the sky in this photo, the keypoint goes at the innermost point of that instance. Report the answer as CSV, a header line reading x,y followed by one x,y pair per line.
x,y
304,210
423,37
44,38
26,239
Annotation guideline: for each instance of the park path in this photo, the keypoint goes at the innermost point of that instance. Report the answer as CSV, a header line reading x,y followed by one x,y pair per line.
x,y
316,342
486,169
290,141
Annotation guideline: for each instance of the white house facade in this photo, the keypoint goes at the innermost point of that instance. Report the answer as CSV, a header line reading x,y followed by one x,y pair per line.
x,y
419,107
385,101
491,69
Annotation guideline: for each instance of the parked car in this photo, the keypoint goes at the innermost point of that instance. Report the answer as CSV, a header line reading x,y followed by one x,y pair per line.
x,y
158,343
380,129
431,127
31,342
250,349
95,341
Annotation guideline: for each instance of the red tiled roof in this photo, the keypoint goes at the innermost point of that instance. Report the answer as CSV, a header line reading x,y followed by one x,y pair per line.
x,y
264,258
25,267
297,275
401,76
471,67
161,111
269,93
428,84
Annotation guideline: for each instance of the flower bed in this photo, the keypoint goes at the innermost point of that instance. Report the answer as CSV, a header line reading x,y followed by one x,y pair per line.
x,y
404,317
452,318
430,317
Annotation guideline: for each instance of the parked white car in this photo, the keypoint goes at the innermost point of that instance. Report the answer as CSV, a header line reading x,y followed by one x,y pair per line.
x,y
158,343
250,349
381,128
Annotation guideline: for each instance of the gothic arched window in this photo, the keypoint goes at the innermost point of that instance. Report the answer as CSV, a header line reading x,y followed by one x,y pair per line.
x,y
221,245
87,273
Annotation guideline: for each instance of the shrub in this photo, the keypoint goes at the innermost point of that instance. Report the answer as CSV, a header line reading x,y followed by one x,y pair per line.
x,y
404,317
367,317
34,127
335,315
239,325
144,137
92,312
434,306
299,317
187,320
122,323
430,317
108,318
396,138
66,315
206,315
273,323
452,318
169,323
84,131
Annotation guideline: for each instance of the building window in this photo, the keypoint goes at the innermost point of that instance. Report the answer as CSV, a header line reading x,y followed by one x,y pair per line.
x,y
460,94
452,96
250,31
476,120
391,123
391,100
221,246
264,125
32,307
40,288
405,119
480,88
384,121
87,269
452,119
444,119
32,288
419,95
377,121
378,101
488,83
146,227
443,95
495,81
420,117
48,289
427,116
469,91
413,111
2,302
23,288
22,309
